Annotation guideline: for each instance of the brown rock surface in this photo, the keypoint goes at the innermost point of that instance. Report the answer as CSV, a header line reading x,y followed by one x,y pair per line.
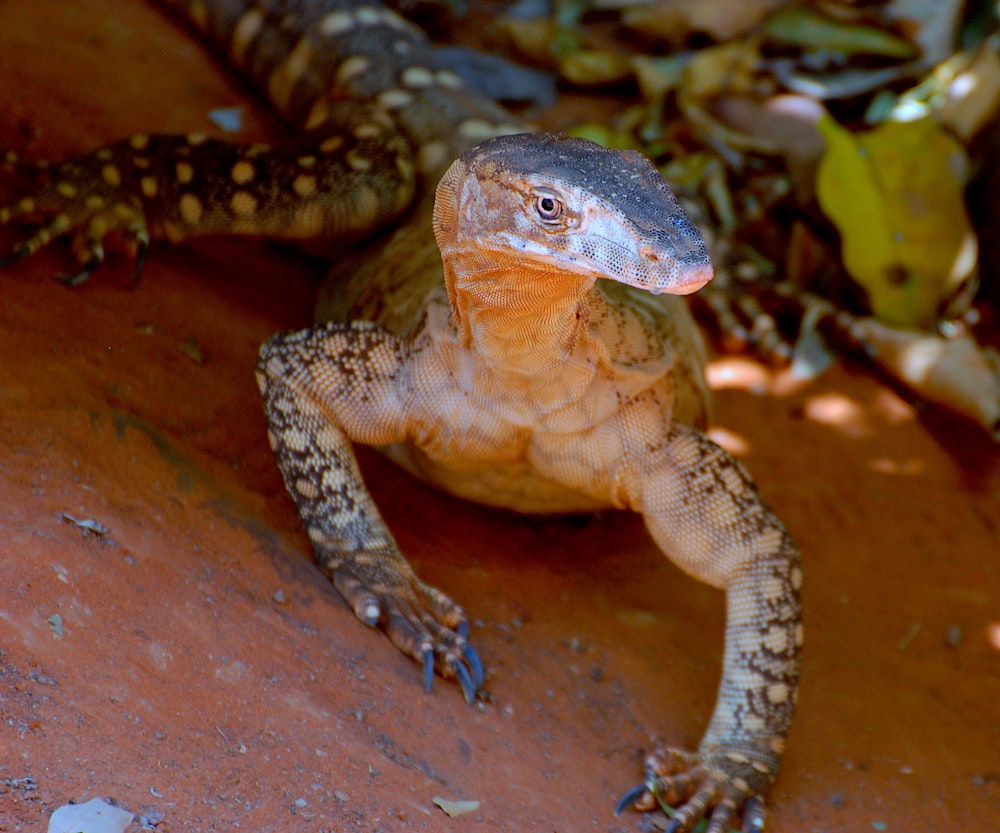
x,y
203,673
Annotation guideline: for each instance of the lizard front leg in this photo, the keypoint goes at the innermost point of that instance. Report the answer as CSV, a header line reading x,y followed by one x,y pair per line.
x,y
323,388
706,514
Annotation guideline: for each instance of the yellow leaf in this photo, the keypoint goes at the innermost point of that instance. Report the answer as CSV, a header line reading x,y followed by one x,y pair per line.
x,y
591,67
895,194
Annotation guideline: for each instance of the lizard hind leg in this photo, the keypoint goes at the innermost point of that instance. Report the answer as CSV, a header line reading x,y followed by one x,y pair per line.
x,y
89,198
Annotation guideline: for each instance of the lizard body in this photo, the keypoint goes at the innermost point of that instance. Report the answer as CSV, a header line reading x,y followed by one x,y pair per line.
x,y
529,360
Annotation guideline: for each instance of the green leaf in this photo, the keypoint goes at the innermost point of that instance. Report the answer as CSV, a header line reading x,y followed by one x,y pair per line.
x,y
895,194
807,28
671,812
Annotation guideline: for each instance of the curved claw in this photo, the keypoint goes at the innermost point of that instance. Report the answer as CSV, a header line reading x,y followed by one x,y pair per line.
x,y
469,688
142,248
427,660
80,277
475,664
19,254
753,815
470,678
630,798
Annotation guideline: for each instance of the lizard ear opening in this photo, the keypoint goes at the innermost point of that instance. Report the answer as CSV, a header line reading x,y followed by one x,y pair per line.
x,y
445,222
445,217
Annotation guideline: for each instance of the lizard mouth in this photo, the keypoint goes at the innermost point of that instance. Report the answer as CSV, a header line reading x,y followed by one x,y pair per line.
x,y
670,277
689,281
652,268
672,274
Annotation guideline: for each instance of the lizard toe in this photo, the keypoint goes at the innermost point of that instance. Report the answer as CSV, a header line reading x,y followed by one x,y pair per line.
x,y
363,602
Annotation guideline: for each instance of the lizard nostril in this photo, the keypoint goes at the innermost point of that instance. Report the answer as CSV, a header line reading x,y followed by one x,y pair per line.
x,y
649,254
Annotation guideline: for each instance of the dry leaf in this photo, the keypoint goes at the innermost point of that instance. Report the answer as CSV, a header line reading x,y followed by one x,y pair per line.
x,y
454,809
532,37
724,70
954,372
674,20
972,96
934,24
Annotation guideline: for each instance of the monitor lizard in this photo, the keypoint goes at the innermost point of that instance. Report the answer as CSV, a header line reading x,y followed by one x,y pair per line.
x,y
549,366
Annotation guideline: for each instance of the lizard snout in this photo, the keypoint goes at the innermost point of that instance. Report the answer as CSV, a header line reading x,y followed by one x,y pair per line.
x,y
681,278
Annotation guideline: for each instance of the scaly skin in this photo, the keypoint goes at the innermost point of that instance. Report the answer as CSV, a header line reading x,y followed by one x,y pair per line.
x,y
542,369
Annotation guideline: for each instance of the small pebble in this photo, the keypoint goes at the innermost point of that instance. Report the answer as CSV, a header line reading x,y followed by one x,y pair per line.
x,y
229,119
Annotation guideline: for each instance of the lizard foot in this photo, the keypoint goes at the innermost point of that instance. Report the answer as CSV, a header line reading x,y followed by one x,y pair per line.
x,y
88,197
715,784
419,619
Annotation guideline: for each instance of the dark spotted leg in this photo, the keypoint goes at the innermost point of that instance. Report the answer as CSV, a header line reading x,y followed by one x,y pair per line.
x,y
85,196
338,185
323,388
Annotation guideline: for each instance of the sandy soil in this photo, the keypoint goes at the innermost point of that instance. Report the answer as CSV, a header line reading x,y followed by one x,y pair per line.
x,y
194,666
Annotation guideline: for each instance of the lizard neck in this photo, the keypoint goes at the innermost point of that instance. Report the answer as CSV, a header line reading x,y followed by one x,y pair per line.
x,y
522,319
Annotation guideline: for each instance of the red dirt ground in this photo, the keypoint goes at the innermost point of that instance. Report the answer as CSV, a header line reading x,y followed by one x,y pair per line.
x,y
206,675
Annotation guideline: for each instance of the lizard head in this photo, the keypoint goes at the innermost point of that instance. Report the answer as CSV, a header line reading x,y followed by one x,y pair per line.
x,y
569,205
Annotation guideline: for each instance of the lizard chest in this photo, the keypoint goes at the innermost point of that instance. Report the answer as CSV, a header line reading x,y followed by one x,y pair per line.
x,y
557,445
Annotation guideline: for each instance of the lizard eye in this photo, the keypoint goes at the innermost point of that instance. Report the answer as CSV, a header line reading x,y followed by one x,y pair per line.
x,y
548,207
